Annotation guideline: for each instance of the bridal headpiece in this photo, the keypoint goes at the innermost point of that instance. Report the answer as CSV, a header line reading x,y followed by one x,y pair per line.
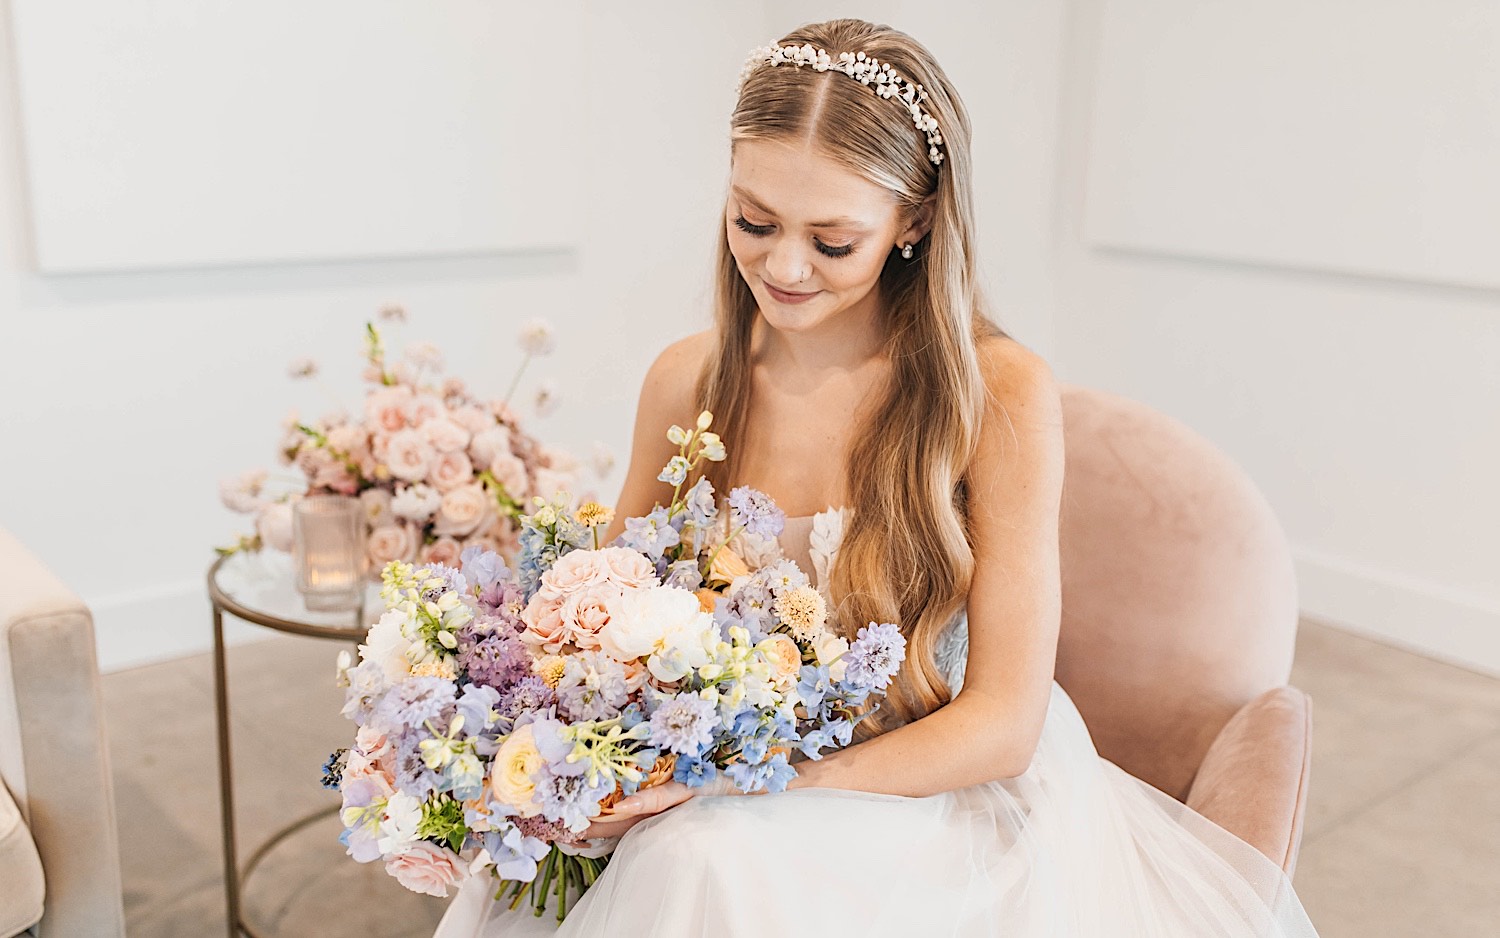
x,y
863,69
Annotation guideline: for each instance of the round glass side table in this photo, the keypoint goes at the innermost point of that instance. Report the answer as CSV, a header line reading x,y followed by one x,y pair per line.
x,y
258,587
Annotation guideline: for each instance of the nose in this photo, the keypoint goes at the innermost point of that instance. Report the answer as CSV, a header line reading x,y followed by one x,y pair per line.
x,y
787,263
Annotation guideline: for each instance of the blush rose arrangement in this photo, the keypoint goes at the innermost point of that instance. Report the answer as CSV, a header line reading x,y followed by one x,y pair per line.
x,y
500,710
436,468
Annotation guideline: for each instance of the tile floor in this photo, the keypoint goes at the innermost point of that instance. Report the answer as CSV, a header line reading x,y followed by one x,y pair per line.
x,y
1402,835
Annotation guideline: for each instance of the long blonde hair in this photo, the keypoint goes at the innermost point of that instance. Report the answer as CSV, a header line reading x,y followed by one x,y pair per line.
x,y
906,554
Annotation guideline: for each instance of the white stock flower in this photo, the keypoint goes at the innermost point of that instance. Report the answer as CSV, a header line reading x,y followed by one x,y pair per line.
x,y
399,828
537,337
386,644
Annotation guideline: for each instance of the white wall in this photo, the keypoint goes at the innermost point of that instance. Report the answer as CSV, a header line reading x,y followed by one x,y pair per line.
x,y
127,396
1367,407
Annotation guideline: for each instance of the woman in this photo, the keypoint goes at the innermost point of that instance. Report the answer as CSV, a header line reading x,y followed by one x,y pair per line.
x,y
852,364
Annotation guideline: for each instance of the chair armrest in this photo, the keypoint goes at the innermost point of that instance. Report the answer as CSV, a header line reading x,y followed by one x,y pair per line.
x,y
54,755
1253,780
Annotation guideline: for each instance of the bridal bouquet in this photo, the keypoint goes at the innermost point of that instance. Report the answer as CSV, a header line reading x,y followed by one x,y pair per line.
x,y
436,468
500,711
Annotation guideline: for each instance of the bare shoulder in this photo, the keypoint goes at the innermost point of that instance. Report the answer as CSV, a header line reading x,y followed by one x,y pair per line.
x,y
1021,384
671,382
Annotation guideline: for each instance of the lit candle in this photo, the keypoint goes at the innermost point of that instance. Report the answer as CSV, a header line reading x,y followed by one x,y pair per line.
x,y
329,551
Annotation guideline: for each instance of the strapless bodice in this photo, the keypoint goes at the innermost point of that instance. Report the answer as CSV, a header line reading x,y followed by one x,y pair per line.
x,y
812,542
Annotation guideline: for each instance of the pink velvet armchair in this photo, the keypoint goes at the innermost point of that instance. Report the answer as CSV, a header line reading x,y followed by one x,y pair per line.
x,y
1179,620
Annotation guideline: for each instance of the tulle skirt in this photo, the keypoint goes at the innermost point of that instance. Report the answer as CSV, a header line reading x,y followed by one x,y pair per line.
x,y
1074,847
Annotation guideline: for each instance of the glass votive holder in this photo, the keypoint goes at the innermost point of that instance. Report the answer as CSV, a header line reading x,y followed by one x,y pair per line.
x,y
328,551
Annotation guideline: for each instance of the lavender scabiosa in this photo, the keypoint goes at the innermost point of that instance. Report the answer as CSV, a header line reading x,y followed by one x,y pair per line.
x,y
684,724
529,694
415,701
875,656
755,512
571,799
592,686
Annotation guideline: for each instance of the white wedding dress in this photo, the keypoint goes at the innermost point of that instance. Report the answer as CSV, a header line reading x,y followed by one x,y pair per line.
x,y
1074,847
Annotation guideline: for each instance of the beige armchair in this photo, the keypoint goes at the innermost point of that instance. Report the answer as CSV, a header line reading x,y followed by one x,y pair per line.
x,y
1179,621
59,850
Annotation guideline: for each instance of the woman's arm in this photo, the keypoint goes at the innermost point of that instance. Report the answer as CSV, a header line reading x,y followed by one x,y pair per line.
x,y
991,728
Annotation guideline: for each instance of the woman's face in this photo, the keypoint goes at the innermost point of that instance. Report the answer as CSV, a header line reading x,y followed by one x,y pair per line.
x,y
799,222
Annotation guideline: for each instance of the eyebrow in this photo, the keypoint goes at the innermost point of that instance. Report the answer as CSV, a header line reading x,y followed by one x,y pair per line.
x,y
842,222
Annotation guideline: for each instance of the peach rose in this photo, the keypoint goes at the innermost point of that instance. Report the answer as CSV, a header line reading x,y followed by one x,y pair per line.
x,y
490,443
408,455
427,868
545,627
510,472
785,658
727,566
444,550
445,435
576,570
627,567
587,611
450,470
463,510
386,408
391,542
474,419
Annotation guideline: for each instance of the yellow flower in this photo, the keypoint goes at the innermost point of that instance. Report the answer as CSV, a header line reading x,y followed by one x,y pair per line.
x,y
550,668
726,566
803,610
594,515
707,599
512,776
441,667
785,658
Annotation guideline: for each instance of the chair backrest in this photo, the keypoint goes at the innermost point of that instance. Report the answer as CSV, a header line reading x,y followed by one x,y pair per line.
x,y
1179,601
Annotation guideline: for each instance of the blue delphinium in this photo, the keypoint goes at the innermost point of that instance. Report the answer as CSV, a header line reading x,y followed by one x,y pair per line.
x,y
684,724
694,773
684,574
652,535
755,512
702,509
515,855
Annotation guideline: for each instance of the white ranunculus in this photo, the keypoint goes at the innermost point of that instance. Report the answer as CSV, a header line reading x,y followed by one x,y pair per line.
x,y
664,625
386,644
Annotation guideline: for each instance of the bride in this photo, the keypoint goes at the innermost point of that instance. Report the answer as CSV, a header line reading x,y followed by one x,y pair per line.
x,y
918,452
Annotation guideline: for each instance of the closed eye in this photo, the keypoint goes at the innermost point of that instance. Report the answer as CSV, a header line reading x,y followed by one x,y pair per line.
x,y
760,231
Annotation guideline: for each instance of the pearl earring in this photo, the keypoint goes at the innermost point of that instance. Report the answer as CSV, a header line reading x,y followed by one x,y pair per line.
x,y
906,251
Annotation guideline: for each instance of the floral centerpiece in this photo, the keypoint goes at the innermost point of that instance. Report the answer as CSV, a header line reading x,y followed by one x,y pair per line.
x,y
501,710
437,468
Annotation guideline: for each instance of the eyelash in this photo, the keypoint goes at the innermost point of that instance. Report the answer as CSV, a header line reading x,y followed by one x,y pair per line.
x,y
761,231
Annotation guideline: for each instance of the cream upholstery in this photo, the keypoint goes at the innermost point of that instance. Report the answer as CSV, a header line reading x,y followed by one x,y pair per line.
x,y
1179,620
54,756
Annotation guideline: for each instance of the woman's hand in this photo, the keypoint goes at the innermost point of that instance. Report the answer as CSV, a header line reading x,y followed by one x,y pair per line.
x,y
649,802
629,812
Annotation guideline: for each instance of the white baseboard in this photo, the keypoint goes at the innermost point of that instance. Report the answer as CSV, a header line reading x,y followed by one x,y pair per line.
x,y
160,623
1425,617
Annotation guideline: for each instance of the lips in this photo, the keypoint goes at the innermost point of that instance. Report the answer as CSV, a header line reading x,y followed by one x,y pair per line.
x,y
789,295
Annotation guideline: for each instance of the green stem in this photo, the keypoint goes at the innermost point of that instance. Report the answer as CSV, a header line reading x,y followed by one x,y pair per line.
x,y
517,382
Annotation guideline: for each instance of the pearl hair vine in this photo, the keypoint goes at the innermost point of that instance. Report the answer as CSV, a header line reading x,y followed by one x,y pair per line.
x,y
863,69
